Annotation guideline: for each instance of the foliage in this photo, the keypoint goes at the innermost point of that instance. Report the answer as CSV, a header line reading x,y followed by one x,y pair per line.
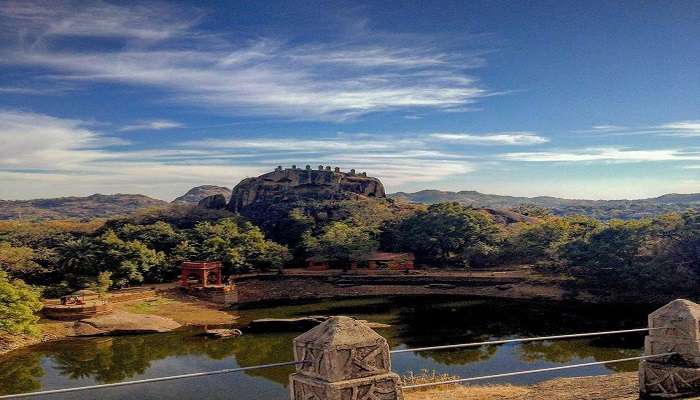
x,y
661,254
446,233
18,306
18,261
104,282
241,246
341,243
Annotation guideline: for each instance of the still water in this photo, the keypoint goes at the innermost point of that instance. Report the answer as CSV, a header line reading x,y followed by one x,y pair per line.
x,y
416,322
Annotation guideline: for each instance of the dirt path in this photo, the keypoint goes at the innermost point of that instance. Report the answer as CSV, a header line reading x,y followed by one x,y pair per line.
x,y
611,387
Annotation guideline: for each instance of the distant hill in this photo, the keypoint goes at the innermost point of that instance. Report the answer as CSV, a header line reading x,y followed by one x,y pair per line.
x,y
601,209
196,194
95,206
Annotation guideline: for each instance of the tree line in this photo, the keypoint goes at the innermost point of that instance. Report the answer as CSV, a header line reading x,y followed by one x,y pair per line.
x,y
58,257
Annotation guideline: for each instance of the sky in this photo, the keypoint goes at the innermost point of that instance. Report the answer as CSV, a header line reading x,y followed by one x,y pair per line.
x,y
593,99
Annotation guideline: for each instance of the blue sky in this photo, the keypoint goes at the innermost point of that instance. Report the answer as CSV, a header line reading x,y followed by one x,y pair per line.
x,y
590,99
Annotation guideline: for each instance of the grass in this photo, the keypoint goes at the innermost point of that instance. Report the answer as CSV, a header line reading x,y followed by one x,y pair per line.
x,y
148,306
454,391
187,311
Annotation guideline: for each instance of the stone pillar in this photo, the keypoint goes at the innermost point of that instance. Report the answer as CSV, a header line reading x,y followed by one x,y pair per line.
x,y
678,375
345,360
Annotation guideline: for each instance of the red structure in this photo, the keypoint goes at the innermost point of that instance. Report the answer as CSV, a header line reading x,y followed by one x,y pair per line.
x,y
376,260
396,261
200,274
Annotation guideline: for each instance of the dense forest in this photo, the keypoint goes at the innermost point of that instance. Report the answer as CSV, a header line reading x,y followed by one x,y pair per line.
x,y
60,256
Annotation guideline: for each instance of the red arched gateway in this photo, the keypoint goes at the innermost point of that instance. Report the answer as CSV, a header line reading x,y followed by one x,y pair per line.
x,y
200,273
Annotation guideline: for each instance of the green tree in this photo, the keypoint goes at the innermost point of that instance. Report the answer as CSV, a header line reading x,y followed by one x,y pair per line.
x,y
104,282
612,255
531,243
18,261
19,304
79,261
239,246
159,236
447,233
128,261
341,243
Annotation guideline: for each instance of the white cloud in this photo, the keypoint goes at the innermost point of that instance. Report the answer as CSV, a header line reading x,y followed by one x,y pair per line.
x,y
44,156
688,128
153,125
37,141
604,154
305,145
682,128
327,81
500,138
43,19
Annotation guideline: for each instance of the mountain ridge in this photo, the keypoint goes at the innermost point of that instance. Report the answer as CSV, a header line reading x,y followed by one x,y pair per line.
x,y
112,205
602,209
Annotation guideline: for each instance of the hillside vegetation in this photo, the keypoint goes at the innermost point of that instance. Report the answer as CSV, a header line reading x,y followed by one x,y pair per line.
x,y
600,209
95,206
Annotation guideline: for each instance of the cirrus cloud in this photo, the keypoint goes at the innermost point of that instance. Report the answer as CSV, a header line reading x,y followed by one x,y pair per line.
x,y
163,47
500,138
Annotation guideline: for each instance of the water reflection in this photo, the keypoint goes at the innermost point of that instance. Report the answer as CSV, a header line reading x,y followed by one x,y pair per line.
x,y
416,322
21,375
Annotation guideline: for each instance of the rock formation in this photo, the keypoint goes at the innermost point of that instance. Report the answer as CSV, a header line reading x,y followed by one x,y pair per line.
x,y
123,323
198,193
213,202
295,184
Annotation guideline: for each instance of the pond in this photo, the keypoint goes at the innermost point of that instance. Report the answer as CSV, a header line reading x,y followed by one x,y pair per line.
x,y
416,322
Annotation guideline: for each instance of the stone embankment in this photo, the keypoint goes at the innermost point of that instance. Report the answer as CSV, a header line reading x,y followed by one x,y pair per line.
x,y
301,286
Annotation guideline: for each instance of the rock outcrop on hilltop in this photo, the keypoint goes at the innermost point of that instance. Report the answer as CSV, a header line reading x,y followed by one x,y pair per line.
x,y
294,184
213,202
199,193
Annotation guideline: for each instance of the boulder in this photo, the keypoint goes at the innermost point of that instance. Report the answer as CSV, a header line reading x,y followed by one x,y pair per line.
x,y
213,202
222,333
123,323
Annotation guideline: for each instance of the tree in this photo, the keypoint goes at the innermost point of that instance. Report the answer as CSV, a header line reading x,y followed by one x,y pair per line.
x,y
531,243
612,255
532,210
17,261
446,233
159,236
239,246
341,243
18,306
79,261
128,261
104,282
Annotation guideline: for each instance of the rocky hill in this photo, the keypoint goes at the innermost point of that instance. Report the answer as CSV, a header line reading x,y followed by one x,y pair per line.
x,y
95,206
198,193
601,209
294,184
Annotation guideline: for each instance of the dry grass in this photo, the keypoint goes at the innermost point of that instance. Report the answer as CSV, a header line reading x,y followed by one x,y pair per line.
x,y
183,309
455,391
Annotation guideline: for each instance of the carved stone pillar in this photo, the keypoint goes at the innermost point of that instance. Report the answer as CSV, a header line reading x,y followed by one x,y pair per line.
x,y
678,375
345,360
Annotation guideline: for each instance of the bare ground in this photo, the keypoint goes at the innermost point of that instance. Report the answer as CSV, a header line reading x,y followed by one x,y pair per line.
x,y
611,387
186,310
